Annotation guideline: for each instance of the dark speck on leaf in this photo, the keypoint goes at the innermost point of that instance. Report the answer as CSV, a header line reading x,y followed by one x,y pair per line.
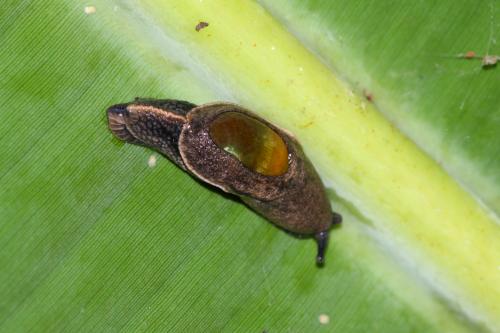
x,y
368,95
201,25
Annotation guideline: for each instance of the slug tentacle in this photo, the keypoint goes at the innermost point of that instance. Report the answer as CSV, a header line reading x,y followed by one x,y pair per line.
x,y
322,239
117,123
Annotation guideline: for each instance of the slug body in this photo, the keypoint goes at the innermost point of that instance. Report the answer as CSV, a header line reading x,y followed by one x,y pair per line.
x,y
237,151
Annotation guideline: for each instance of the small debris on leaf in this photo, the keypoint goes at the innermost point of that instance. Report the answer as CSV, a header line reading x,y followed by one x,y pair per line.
x,y
324,319
152,161
201,25
368,95
469,55
89,10
490,60
487,60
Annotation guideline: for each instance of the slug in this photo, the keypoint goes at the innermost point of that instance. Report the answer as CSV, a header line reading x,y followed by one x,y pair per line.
x,y
237,151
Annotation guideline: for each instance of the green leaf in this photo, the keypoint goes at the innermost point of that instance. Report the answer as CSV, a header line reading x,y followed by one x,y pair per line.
x,y
95,239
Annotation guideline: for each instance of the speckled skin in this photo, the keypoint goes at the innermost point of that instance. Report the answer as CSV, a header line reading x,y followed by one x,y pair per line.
x,y
152,123
296,201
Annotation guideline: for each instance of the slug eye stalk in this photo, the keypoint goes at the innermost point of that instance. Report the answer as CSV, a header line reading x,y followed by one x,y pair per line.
x,y
237,151
322,239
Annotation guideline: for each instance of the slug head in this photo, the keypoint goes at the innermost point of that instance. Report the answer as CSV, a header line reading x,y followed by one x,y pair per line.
x,y
152,123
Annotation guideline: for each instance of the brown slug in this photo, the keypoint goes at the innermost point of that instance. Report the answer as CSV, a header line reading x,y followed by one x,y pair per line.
x,y
237,151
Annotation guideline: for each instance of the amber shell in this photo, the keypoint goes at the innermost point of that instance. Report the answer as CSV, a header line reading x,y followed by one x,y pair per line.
x,y
253,143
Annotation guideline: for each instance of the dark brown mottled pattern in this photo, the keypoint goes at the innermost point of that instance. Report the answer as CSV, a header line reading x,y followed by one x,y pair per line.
x,y
296,201
153,123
